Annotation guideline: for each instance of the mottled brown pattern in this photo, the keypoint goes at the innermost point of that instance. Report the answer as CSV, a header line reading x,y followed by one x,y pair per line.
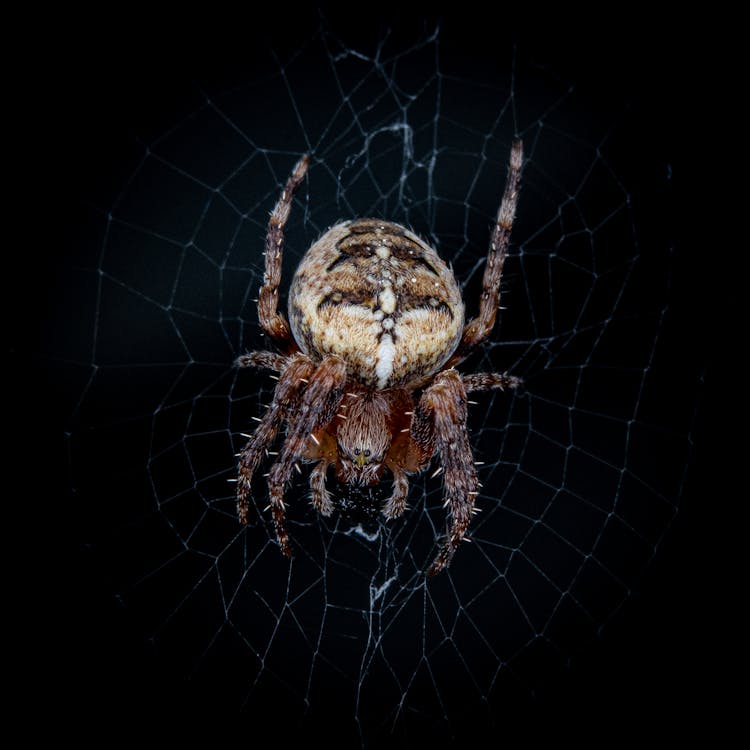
x,y
479,329
440,425
294,372
379,320
315,407
273,322
366,278
483,381
353,297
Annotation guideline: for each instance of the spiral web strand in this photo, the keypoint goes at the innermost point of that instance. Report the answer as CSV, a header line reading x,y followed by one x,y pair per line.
x,y
573,501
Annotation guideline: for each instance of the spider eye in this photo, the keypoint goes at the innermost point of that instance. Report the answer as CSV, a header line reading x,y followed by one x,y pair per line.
x,y
356,451
367,452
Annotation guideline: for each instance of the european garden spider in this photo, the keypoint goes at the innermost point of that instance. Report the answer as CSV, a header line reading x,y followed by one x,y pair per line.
x,y
366,369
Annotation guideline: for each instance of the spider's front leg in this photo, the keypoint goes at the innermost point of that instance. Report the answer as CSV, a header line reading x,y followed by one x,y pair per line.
x,y
294,373
316,408
439,426
396,503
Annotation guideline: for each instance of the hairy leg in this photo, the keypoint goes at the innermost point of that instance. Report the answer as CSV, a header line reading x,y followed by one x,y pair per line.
x,y
484,381
321,498
291,383
478,329
273,322
262,361
396,503
316,407
439,425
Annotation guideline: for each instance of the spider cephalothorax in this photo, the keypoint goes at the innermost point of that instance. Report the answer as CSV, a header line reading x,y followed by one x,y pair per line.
x,y
366,380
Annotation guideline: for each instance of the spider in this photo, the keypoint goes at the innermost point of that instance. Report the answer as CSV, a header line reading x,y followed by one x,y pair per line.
x,y
366,370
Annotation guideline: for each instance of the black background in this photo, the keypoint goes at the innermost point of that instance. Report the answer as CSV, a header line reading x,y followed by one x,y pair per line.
x,y
662,664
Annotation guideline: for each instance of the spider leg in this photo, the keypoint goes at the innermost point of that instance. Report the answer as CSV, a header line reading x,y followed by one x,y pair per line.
x,y
273,322
291,382
262,361
321,498
478,329
316,408
396,503
484,381
439,426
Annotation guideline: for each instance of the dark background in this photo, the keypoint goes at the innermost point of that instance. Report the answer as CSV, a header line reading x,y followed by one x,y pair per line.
x,y
661,664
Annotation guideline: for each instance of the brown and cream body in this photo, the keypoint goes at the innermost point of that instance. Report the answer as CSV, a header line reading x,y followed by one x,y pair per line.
x,y
366,371
376,295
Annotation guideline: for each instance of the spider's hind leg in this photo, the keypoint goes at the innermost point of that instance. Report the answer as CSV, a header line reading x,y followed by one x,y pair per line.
x,y
477,330
273,322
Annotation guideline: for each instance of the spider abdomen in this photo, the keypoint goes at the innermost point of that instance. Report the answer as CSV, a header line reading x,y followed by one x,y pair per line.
x,y
379,297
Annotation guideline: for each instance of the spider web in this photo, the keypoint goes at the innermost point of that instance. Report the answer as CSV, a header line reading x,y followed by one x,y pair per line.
x,y
582,470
